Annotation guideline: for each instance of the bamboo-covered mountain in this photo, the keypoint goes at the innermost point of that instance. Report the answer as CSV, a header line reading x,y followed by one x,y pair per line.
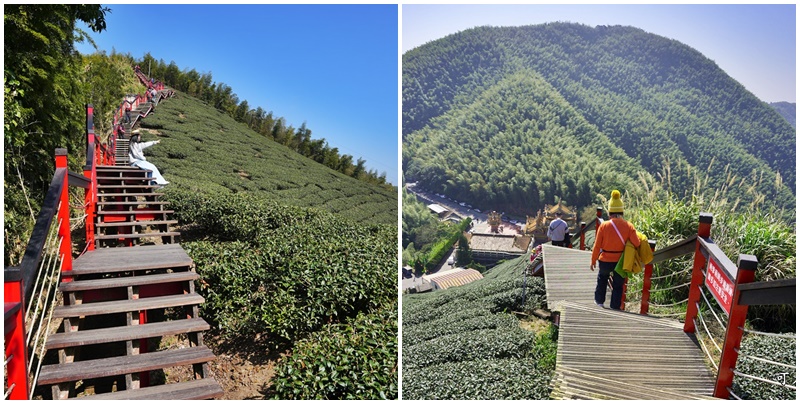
x,y
511,118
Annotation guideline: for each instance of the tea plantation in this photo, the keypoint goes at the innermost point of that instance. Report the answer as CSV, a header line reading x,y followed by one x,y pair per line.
x,y
463,343
295,259
205,150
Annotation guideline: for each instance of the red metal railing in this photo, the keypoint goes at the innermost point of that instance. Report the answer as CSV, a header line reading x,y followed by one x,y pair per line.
x,y
714,272
22,294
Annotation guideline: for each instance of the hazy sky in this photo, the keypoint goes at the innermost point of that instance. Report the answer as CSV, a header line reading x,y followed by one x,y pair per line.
x,y
754,44
331,66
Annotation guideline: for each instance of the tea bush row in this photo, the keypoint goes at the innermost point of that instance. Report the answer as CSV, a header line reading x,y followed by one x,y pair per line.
x,y
495,296
456,325
284,270
507,342
357,359
774,349
203,150
461,343
483,379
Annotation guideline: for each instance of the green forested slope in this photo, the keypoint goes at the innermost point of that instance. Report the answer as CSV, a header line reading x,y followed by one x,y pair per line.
x,y
664,104
205,150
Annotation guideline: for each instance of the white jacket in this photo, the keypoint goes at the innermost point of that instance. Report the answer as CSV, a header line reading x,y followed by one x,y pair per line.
x,y
137,148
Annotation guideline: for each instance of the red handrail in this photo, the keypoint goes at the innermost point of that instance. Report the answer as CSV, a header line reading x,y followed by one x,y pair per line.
x,y
714,270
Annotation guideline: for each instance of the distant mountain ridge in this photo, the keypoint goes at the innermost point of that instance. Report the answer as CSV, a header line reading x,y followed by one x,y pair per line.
x,y
649,103
787,110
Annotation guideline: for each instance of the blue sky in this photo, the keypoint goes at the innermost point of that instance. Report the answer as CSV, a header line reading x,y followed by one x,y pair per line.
x,y
754,44
334,67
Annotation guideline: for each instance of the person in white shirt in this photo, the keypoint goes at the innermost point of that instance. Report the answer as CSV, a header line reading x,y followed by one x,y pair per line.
x,y
557,232
137,156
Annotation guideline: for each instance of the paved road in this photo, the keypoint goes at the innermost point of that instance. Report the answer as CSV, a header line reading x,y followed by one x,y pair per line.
x,y
479,219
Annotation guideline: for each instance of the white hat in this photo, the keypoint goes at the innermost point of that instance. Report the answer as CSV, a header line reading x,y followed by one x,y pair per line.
x,y
135,132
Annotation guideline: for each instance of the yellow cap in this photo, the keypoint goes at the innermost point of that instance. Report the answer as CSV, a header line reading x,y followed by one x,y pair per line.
x,y
615,206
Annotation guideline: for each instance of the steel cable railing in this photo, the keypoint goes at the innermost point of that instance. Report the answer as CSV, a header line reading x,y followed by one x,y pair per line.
x,y
671,304
705,349
32,310
686,271
706,329
43,280
755,358
44,340
671,287
719,321
768,334
730,391
761,379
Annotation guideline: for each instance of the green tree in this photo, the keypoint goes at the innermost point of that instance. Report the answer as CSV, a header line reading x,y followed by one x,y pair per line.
x,y
464,253
43,103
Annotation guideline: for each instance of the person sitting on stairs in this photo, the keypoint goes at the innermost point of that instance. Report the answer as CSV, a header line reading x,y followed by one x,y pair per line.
x,y
137,158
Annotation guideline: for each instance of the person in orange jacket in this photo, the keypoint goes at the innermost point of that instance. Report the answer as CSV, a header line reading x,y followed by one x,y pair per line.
x,y
609,244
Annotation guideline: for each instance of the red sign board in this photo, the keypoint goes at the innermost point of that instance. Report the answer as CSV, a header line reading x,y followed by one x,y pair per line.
x,y
721,285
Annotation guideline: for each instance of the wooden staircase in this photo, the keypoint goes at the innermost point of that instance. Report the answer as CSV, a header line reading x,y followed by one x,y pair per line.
x,y
128,209
130,314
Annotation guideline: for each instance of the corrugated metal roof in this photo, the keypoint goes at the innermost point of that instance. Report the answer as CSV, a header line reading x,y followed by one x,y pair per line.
x,y
436,208
453,277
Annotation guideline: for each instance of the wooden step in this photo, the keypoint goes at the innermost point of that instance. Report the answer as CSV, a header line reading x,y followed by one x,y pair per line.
x,y
118,169
118,194
127,178
134,203
125,281
133,212
202,389
120,365
126,186
138,223
124,306
136,235
125,333
136,258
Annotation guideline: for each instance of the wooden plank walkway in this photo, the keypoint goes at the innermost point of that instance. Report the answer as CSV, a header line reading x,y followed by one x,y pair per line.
x,y
567,276
610,354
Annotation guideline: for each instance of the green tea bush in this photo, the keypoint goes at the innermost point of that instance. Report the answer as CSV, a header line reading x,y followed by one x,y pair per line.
x,y
508,342
483,379
354,360
462,343
776,350
203,150
480,319
284,270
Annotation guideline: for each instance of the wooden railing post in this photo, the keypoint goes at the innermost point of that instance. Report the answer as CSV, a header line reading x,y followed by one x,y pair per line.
x,y
746,273
16,349
583,236
90,172
65,251
703,231
646,282
599,216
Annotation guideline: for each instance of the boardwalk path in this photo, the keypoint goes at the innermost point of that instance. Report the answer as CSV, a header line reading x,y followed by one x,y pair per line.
x,y
609,354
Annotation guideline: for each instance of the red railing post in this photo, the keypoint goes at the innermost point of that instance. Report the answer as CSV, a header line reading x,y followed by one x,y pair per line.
x,y
703,231
16,349
65,250
583,236
90,172
746,273
646,282
599,217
